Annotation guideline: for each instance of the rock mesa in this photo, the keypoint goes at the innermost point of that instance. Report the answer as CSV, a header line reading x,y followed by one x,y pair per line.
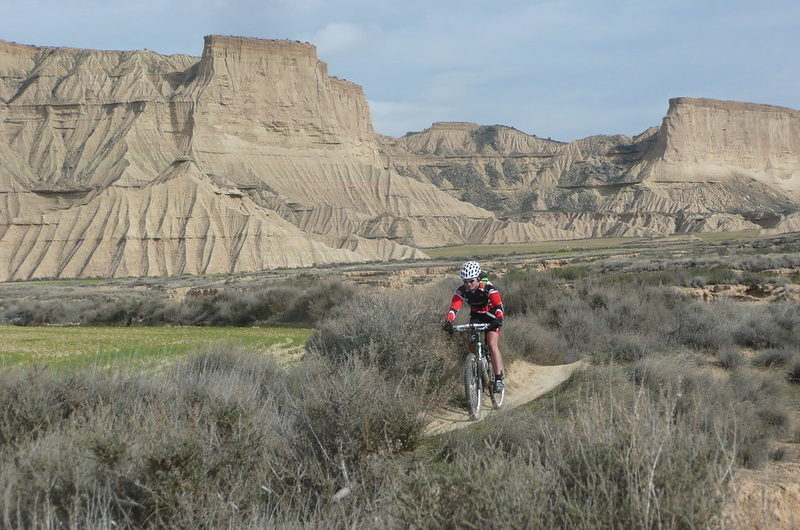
x,y
128,163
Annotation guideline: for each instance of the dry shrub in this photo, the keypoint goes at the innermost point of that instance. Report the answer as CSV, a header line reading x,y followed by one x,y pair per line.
x,y
776,357
525,338
731,358
398,335
232,439
527,292
607,455
794,370
610,318
225,439
756,328
625,347
698,326
275,302
754,403
317,301
32,313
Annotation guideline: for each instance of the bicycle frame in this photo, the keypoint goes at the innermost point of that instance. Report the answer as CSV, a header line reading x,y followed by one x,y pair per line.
x,y
475,336
478,371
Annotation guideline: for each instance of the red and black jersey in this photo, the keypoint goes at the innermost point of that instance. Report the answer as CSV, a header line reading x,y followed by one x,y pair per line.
x,y
484,300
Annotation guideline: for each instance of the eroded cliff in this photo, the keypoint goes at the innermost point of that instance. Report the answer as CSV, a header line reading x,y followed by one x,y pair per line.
x,y
712,165
126,163
87,136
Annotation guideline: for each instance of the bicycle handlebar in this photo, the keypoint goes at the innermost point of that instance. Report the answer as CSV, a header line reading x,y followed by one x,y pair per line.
x,y
467,327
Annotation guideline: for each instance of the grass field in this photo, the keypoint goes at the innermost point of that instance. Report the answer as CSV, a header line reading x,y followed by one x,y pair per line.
x,y
716,237
572,246
528,248
138,347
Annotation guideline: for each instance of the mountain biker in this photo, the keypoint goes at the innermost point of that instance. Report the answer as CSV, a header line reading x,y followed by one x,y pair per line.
x,y
486,307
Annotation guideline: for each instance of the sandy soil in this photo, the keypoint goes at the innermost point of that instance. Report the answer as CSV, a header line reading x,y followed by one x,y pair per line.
x,y
768,498
526,382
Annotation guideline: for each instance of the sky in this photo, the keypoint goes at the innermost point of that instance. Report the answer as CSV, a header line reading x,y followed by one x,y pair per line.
x,y
560,69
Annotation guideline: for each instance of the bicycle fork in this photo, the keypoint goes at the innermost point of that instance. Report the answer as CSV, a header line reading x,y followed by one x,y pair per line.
x,y
483,366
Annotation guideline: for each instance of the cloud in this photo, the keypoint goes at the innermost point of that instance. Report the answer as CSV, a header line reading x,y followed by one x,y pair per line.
x,y
340,37
395,118
566,68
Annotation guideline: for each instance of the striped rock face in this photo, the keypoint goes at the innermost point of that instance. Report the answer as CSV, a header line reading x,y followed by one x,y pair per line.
x,y
250,157
711,166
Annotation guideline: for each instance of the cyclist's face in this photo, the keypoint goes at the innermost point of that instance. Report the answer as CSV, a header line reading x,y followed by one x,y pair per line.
x,y
471,284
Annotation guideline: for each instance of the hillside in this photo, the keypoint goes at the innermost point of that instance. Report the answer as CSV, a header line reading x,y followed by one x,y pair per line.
x,y
711,165
132,163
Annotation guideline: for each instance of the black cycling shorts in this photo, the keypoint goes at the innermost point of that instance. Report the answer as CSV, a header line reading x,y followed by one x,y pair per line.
x,y
481,318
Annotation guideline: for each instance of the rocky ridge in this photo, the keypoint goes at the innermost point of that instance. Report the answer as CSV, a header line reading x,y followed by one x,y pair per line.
x,y
711,166
128,163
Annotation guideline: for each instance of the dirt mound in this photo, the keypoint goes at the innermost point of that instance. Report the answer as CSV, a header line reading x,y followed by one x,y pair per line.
x,y
768,498
762,293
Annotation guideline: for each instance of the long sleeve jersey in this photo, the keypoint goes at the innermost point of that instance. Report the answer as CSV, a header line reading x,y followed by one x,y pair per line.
x,y
485,299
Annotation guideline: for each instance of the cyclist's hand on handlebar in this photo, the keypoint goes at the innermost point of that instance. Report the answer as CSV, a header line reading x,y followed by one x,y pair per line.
x,y
447,326
496,324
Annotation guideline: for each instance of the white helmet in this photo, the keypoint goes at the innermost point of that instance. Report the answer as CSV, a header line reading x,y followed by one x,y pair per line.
x,y
470,269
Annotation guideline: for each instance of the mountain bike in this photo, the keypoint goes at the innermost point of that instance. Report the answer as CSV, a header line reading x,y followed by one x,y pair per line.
x,y
478,371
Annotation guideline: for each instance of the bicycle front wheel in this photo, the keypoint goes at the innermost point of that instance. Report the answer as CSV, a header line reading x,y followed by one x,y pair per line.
x,y
497,397
472,386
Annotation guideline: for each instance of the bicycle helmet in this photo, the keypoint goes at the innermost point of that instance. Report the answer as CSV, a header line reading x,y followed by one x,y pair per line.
x,y
470,269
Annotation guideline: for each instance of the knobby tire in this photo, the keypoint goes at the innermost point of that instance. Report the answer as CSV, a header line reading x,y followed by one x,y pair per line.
x,y
497,399
472,386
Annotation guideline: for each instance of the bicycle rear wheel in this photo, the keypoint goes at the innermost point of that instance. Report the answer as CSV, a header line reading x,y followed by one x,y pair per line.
x,y
472,386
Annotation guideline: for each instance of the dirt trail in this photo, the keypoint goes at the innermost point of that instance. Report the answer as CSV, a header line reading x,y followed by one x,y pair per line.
x,y
526,382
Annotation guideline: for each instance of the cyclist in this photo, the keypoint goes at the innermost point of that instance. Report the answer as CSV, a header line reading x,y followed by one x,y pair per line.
x,y
486,307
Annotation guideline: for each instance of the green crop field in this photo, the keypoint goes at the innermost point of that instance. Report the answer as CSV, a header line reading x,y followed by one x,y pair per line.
x,y
140,347
716,237
528,248
583,246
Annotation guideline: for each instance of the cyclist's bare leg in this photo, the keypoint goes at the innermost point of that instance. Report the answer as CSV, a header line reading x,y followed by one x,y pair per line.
x,y
493,341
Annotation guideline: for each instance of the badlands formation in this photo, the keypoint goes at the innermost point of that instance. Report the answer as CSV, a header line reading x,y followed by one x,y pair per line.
x,y
252,157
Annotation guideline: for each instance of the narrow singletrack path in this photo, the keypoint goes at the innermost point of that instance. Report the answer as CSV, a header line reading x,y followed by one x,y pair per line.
x,y
526,382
